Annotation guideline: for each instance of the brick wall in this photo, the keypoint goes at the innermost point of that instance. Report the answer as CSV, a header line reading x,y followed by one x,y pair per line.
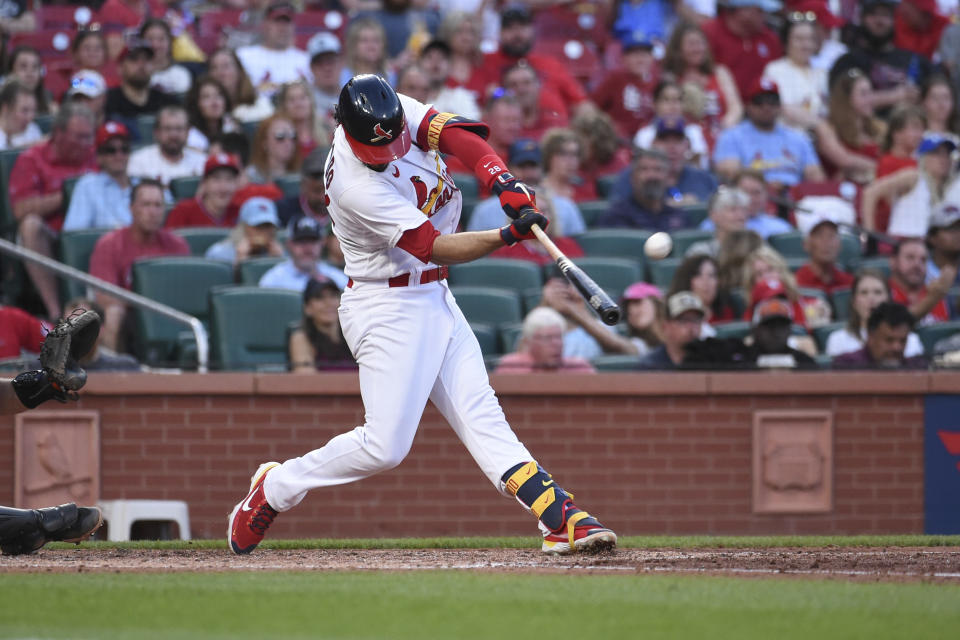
x,y
657,454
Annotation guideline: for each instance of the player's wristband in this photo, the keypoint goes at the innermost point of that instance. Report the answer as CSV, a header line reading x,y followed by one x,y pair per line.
x,y
492,169
508,235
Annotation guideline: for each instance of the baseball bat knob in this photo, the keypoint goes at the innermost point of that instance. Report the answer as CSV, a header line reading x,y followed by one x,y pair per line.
x,y
610,316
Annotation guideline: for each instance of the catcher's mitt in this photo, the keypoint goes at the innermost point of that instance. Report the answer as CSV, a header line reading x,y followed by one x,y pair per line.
x,y
70,340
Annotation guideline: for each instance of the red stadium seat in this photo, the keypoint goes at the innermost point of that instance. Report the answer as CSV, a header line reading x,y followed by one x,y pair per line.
x,y
213,22
578,56
581,21
52,44
60,17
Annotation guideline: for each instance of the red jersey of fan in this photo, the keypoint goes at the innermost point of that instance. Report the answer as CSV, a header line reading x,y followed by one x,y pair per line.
x,y
940,313
554,76
37,173
115,253
628,99
745,57
19,331
808,278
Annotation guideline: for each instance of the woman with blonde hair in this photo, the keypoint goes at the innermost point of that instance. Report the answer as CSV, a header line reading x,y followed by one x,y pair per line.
x,y
913,193
274,151
295,101
689,59
365,51
848,140
248,105
767,275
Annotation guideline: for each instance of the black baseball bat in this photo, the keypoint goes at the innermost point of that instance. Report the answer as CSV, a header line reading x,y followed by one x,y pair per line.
x,y
596,297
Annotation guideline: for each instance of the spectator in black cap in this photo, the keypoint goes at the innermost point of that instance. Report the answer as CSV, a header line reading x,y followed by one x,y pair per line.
x,y
626,93
311,201
435,60
895,73
135,97
516,44
525,163
275,59
318,343
304,244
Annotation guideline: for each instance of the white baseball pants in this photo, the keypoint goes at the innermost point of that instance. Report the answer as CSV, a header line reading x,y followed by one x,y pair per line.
x,y
412,344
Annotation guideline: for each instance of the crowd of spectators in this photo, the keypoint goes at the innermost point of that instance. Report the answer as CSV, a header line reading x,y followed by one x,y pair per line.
x,y
751,121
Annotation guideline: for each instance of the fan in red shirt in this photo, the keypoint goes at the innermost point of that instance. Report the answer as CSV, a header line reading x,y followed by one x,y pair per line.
x,y
821,241
210,207
114,254
741,41
918,26
19,331
627,94
908,273
36,190
542,110
516,44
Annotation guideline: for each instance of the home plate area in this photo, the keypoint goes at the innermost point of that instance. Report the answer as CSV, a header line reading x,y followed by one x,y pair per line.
x,y
863,564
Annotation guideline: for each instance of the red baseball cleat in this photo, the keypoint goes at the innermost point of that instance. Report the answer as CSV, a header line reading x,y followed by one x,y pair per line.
x,y
252,517
581,534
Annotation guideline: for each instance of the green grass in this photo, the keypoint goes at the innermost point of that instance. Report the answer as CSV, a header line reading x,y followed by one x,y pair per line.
x,y
465,605
632,542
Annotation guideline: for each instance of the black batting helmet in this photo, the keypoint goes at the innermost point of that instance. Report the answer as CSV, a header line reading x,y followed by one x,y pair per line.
x,y
373,121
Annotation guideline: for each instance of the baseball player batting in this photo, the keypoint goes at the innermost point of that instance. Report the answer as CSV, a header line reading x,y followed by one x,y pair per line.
x,y
395,211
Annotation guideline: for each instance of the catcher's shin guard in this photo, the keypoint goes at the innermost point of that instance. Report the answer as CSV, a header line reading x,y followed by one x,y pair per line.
x,y
26,530
566,528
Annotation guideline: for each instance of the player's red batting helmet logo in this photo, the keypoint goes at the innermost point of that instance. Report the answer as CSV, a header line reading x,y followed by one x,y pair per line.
x,y
381,134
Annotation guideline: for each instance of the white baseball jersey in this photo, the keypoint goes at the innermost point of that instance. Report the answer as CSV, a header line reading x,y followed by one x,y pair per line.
x,y
372,209
412,343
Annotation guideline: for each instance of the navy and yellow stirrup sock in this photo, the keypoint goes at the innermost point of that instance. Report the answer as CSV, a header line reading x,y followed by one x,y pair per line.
x,y
535,489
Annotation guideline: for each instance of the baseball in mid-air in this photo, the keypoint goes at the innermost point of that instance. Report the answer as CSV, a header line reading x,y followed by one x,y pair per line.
x,y
658,246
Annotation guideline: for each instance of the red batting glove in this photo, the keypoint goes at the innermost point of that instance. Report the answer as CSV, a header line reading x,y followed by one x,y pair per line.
x,y
514,195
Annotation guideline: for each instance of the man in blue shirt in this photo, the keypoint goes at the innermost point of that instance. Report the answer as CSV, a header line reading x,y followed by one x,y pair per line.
x,y
784,155
645,207
102,200
305,245
760,220
689,185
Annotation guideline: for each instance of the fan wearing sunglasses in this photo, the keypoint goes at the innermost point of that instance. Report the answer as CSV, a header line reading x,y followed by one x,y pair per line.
x,y
275,151
101,200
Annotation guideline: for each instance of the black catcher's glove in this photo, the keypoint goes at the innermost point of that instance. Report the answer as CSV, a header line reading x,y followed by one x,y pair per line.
x,y
520,229
60,376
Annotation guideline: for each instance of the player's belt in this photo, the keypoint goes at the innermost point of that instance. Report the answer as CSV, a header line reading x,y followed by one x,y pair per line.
x,y
426,277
